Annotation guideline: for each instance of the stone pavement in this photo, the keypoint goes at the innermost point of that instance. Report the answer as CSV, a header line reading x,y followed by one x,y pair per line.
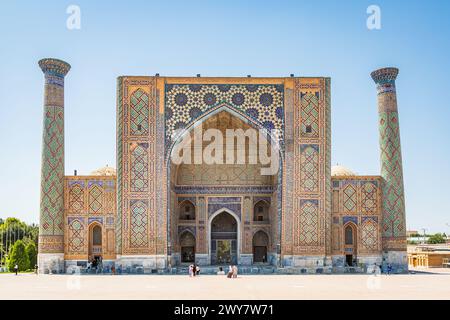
x,y
414,286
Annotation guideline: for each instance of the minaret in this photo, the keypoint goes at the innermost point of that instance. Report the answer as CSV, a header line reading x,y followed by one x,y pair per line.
x,y
394,223
51,224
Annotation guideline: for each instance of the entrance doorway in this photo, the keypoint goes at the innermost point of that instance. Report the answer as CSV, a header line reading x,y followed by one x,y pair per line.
x,y
224,228
260,244
224,251
349,260
187,244
95,242
350,238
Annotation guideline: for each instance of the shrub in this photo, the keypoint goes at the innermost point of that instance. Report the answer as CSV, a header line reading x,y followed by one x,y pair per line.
x,y
437,238
31,252
18,256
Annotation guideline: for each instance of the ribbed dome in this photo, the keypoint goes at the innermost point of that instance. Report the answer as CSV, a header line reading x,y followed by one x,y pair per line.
x,y
341,171
105,171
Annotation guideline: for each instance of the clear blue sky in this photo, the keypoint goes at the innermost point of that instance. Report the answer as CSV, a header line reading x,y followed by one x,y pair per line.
x,y
229,38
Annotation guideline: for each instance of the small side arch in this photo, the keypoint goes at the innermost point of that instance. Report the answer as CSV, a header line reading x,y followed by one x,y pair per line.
x,y
187,244
186,210
261,211
95,232
350,243
260,243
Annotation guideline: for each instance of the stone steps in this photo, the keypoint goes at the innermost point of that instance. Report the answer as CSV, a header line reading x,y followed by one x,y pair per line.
x,y
242,270
212,270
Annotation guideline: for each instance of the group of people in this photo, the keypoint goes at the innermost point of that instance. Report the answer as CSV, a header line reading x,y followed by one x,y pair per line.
x,y
194,270
379,269
232,271
95,264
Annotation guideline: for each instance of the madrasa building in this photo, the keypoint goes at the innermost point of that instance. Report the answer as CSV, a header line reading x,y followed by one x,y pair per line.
x,y
155,215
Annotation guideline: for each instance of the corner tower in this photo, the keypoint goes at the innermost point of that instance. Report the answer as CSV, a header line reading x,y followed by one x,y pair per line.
x,y
51,222
394,222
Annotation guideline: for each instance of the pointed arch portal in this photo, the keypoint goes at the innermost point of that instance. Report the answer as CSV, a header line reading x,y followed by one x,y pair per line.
x,y
218,230
224,237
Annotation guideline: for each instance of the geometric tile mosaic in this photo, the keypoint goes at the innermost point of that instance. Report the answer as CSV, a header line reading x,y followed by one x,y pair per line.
x,y
139,224
309,167
369,197
310,115
95,198
350,198
139,165
139,113
185,103
308,220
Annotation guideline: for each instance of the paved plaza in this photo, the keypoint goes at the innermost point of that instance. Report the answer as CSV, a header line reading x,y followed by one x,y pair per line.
x,y
412,286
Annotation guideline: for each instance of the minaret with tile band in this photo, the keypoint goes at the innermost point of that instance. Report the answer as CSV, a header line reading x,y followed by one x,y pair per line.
x,y
394,222
51,226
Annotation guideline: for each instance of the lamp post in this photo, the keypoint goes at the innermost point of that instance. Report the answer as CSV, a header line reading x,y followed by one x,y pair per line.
x,y
447,235
423,238
1,250
169,257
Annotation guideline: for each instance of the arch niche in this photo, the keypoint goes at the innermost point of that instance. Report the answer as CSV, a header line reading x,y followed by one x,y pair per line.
x,y
187,247
186,211
95,241
224,237
214,180
260,246
350,244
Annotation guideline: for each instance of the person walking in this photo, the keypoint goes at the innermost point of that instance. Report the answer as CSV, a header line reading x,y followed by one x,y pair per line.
x,y
230,272
235,271
16,269
376,269
100,265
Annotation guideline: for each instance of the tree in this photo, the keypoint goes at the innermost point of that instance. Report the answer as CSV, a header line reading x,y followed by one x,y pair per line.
x,y
12,229
437,238
31,252
18,256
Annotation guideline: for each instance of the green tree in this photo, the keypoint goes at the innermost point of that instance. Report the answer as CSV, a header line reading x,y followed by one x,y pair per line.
x,y
18,256
437,238
31,252
12,229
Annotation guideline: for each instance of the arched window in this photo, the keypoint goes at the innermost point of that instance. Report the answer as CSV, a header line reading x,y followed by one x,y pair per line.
x,y
97,236
187,211
349,235
261,211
